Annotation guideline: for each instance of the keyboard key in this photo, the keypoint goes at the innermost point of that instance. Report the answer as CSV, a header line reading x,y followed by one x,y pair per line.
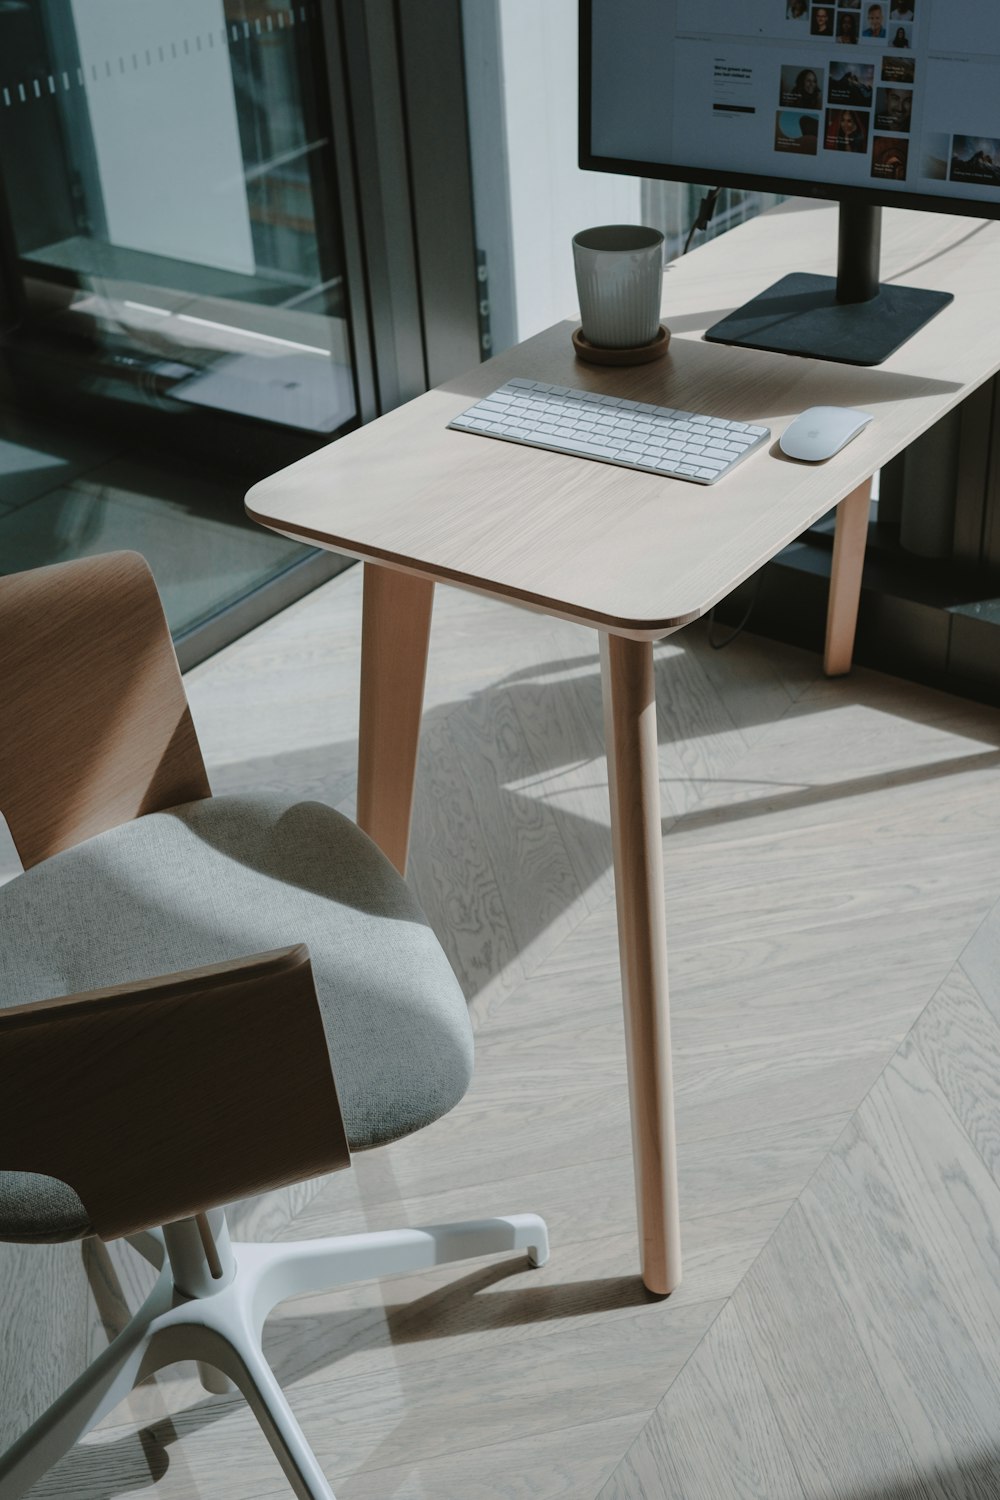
x,y
595,450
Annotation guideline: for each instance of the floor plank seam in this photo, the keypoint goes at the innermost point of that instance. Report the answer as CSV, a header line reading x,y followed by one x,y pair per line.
x,y
762,1384
450,1453
821,1165
987,915
944,1100
860,1352
348,1378
786,1125
725,1303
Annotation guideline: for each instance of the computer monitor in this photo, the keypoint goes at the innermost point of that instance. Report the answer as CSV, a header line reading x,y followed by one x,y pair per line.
x,y
868,103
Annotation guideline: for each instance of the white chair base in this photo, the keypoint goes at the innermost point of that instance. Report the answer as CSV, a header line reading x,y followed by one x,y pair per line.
x,y
209,1304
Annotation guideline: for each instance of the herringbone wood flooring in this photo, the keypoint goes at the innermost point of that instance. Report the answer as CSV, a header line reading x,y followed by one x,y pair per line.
x,y
833,878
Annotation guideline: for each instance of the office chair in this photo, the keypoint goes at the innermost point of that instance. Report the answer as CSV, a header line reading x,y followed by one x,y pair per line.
x,y
201,998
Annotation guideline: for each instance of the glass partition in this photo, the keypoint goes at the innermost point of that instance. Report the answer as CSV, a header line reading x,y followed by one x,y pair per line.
x,y
171,181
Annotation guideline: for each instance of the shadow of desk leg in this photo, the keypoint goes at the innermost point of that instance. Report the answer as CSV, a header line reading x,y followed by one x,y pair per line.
x,y
395,631
633,778
845,579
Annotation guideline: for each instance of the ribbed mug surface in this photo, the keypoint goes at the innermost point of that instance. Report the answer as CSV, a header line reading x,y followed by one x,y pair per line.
x,y
619,277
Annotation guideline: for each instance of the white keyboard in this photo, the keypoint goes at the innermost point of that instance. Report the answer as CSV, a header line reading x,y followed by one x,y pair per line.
x,y
586,424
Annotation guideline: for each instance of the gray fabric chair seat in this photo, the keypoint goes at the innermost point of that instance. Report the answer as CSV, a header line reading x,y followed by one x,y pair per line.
x,y
221,879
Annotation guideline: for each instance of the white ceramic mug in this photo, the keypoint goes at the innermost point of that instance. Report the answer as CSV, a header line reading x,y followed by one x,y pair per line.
x,y
619,280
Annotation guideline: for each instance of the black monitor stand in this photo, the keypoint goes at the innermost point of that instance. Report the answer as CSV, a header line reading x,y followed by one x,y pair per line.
x,y
853,319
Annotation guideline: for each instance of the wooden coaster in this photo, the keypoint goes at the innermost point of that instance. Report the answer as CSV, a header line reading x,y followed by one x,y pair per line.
x,y
595,355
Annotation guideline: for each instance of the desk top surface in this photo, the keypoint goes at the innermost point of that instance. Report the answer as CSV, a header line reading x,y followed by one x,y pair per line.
x,y
636,553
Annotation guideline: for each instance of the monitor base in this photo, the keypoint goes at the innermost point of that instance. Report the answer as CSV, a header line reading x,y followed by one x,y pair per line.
x,y
800,314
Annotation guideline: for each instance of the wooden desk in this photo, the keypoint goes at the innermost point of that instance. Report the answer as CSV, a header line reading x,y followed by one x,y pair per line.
x,y
634,555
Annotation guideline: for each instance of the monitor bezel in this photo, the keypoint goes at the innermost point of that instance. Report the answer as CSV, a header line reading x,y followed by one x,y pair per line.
x,y
793,187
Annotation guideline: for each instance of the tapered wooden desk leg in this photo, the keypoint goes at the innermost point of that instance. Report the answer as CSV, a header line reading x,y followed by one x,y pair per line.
x,y
633,776
395,630
845,579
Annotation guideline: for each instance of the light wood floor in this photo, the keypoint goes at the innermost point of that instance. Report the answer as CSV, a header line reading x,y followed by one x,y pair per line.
x,y
833,870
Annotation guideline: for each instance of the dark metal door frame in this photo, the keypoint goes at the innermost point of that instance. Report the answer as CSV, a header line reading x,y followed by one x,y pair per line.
x,y
397,88
11,287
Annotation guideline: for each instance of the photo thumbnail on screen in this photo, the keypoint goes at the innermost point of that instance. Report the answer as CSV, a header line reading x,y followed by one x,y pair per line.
x,y
889,158
846,130
851,83
875,26
802,88
894,109
898,69
975,158
795,133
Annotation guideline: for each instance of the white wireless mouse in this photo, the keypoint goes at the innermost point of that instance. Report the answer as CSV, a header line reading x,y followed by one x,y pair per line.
x,y
821,432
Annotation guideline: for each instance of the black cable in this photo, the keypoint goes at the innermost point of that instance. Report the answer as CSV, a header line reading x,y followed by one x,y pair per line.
x,y
704,216
739,629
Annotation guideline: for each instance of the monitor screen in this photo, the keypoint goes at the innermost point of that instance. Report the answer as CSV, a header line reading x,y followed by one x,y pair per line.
x,y
898,100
